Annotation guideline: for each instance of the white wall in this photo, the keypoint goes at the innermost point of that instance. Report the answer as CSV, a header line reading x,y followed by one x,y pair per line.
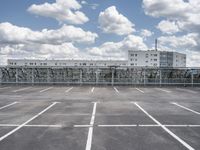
x,y
179,60
149,58
144,58
32,62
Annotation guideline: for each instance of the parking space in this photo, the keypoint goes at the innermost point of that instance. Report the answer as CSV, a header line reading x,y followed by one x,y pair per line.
x,y
46,139
121,113
66,115
106,93
189,135
168,113
98,118
118,138
193,106
19,112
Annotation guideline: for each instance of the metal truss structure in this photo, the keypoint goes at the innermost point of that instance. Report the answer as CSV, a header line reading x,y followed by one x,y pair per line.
x,y
100,75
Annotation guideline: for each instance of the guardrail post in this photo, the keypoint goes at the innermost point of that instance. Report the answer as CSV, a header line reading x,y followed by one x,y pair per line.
x,y
97,77
81,76
32,76
160,78
64,78
17,75
1,75
192,78
112,77
144,78
48,75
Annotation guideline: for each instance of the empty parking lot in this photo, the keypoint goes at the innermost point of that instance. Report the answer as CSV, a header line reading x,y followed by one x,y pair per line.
x,y
99,118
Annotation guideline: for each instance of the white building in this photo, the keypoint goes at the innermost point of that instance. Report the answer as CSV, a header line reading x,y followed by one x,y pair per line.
x,y
154,58
67,63
144,58
150,58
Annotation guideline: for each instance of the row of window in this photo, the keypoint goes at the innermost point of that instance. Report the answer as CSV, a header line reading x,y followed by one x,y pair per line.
x,y
146,60
135,55
64,64
135,64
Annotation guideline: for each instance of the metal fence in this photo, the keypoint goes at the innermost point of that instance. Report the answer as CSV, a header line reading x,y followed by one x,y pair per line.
x,y
100,75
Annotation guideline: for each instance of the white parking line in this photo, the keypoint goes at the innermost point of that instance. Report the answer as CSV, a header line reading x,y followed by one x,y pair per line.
x,y
148,125
163,90
8,105
92,90
44,90
90,132
166,129
118,125
82,126
183,125
34,125
116,89
15,96
196,112
4,88
69,89
102,125
139,90
25,123
22,89
187,90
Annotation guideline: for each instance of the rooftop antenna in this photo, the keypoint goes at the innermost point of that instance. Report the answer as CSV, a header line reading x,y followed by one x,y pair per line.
x,y
156,44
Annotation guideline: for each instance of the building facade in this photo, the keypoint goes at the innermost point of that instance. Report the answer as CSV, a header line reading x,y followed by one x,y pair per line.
x,y
67,63
150,58
154,58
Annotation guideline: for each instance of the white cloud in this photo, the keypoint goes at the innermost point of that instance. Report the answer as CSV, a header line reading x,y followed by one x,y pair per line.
x,y
189,41
61,10
186,12
111,21
39,51
193,58
13,34
118,50
167,8
21,42
94,6
91,5
184,16
146,33
188,44
168,27
84,2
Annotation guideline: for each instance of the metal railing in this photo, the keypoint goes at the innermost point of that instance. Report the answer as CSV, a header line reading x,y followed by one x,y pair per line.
x,y
101,76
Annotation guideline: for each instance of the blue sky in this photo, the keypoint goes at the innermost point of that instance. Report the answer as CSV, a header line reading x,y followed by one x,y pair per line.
x,y
94,29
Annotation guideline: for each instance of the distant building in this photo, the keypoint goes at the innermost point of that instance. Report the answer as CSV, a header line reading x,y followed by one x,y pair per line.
x,y
150,58
67,63
154,58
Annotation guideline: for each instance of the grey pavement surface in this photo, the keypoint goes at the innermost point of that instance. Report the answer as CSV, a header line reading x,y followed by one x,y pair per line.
x,y
99,118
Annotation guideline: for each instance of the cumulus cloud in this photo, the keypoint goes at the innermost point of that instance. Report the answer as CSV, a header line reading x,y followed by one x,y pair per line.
x,y
39,51
186,12
189,41
158,8
146,33
21,42
14,35
118,50
188,44
193,59
168,27
184,16
61,10
111,21
91,5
